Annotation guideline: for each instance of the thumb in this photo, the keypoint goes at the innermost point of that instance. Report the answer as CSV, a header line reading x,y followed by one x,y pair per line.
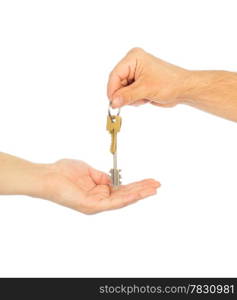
x,y
128,95
99,177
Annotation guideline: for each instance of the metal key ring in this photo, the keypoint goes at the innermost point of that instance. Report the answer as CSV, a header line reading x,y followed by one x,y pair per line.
x,y
109,110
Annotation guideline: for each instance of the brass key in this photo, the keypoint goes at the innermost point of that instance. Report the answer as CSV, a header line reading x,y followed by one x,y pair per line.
x,y
113,126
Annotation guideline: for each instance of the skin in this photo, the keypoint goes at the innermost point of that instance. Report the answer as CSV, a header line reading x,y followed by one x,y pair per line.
x,y
141,78
71,183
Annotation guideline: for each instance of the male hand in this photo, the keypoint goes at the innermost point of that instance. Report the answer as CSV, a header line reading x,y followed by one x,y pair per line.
x,y
140,78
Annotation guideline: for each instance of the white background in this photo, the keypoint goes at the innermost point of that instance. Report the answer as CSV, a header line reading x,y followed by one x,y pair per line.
x,y
55,57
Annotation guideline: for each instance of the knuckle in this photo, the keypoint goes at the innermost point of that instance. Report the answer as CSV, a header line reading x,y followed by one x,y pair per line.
x,y
62,161
111,74
136,50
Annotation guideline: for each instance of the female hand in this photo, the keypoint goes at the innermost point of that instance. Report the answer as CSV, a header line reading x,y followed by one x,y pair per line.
x,y
71,183
77,185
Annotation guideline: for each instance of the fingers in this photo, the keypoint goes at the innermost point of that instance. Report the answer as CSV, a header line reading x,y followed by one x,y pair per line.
x,y
129,94
122,75
129,194
99,177
140,102
139,184
124,85
99,192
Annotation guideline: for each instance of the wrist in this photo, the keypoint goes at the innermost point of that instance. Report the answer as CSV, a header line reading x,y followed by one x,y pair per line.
x,y
36,180
188,87
21,177
196,85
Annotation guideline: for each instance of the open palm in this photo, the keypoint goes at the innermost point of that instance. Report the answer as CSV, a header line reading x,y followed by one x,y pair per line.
x,y
77,185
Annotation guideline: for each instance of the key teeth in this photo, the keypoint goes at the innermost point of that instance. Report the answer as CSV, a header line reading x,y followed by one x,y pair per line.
x,y
115,176
112,170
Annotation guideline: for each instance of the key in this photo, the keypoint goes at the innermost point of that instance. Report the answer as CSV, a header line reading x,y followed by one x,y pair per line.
x,y
113,126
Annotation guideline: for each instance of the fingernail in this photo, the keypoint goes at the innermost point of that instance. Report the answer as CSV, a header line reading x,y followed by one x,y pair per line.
x,y
117,102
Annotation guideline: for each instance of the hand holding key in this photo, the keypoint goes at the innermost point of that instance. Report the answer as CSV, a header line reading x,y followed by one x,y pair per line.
x,y
141,78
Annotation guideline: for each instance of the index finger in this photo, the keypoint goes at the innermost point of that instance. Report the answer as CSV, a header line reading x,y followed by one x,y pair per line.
x,y
122,75
130,194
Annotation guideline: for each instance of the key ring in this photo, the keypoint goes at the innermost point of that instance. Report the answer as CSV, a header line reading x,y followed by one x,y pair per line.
x,y
109,110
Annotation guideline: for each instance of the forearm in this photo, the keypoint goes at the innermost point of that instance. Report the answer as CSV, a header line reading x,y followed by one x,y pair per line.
x,y
214,92
18,176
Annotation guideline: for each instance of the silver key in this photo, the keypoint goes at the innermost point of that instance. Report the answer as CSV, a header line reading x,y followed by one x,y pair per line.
x,y
115,173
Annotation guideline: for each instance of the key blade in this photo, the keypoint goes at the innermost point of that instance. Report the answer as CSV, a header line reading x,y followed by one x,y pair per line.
x,y
115,160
